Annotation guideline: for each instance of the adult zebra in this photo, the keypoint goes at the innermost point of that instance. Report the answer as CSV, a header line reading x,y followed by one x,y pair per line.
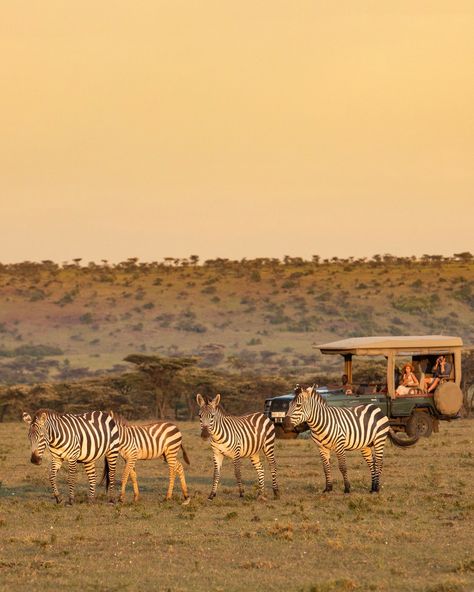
x,y
363,428
148,442
238,437
77,439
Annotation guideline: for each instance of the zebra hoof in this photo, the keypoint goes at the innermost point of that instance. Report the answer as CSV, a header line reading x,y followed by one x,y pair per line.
x,y
70,502
276,494
186,501
211,497
58,499
347,489
261,498
327,489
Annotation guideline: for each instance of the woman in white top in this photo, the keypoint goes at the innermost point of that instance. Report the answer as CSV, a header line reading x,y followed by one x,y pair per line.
x,y
408,380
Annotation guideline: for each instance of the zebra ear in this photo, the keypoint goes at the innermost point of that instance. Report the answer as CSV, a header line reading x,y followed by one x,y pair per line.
x,y
200,400
42,419
216,400
26,418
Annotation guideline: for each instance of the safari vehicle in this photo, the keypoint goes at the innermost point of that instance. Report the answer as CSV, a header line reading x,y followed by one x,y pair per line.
x,y
414,412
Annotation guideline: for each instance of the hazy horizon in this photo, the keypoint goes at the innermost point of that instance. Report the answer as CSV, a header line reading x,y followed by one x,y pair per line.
x,y
222,130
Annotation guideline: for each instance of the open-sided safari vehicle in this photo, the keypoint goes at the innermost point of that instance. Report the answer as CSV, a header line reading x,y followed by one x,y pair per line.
x,y
415,409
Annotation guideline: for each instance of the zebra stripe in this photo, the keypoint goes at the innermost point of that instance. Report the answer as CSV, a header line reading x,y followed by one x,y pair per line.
x,y
76,439
148,442
237,438
363,428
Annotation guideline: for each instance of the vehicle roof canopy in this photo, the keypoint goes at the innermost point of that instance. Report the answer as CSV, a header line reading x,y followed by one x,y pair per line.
x,y
384,344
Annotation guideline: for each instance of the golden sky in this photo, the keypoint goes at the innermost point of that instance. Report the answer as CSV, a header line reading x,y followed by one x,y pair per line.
x,y
235,129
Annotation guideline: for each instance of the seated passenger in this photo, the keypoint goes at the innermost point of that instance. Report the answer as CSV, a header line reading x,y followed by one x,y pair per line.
x,y
346,387
408,380
442,369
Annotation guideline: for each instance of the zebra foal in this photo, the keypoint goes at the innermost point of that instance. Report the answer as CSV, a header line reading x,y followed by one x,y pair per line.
x,y
238,437
363,428
148,442
76,439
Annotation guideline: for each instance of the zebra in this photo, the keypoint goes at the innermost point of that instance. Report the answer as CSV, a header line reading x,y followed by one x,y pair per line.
x,y
147,442
363,428
77,439
238,437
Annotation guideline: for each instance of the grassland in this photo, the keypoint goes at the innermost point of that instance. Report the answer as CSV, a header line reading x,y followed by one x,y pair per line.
x,y
416,535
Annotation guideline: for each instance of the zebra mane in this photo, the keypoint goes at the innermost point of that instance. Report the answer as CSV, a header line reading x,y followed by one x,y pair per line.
x,y
39,412
314,393
219,407
119,419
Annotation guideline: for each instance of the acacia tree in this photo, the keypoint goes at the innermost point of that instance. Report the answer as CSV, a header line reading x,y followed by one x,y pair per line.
x,y
165,376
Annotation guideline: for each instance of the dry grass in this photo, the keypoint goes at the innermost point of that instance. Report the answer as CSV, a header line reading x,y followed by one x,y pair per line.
x,y
415,535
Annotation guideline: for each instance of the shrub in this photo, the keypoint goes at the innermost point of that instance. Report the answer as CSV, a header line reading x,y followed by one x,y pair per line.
x,y
464,294
255,276
86,318
413,305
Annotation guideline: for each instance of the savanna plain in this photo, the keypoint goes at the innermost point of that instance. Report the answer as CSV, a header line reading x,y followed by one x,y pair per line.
x,y
415,535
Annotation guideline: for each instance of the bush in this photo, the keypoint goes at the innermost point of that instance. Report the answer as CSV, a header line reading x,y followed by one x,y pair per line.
x,y
413,305
86,318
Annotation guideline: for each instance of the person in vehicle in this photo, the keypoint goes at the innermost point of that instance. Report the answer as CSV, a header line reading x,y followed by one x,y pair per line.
x,y
345,385
441,369
408,380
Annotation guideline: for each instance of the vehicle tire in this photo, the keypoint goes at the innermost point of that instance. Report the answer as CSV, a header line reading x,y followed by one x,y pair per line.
x,y
282,435
419,423
448,398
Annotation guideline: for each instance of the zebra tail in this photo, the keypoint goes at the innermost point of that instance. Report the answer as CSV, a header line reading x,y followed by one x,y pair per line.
x,y
402,441
185,455
105,475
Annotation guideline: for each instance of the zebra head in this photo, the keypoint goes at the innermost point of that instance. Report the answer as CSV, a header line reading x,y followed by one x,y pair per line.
x,y
299,409
36,435
207,414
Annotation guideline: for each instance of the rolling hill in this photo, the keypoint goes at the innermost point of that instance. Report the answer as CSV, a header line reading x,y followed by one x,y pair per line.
x,y
60,322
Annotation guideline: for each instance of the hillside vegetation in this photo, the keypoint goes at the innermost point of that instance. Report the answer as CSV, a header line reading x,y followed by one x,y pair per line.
x,y
263,314
249,318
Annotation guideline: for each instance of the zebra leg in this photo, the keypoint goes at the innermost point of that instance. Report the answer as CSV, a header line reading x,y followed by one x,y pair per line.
x,y
257,463
325,455
112,460
128,468
71,480
341,459
89,468
218,458
378,464
136,491
270,454
182,480
369,459
238,475
53,471
172,461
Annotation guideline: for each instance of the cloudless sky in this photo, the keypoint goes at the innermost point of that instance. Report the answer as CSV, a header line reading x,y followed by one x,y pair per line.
x,y
235,129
